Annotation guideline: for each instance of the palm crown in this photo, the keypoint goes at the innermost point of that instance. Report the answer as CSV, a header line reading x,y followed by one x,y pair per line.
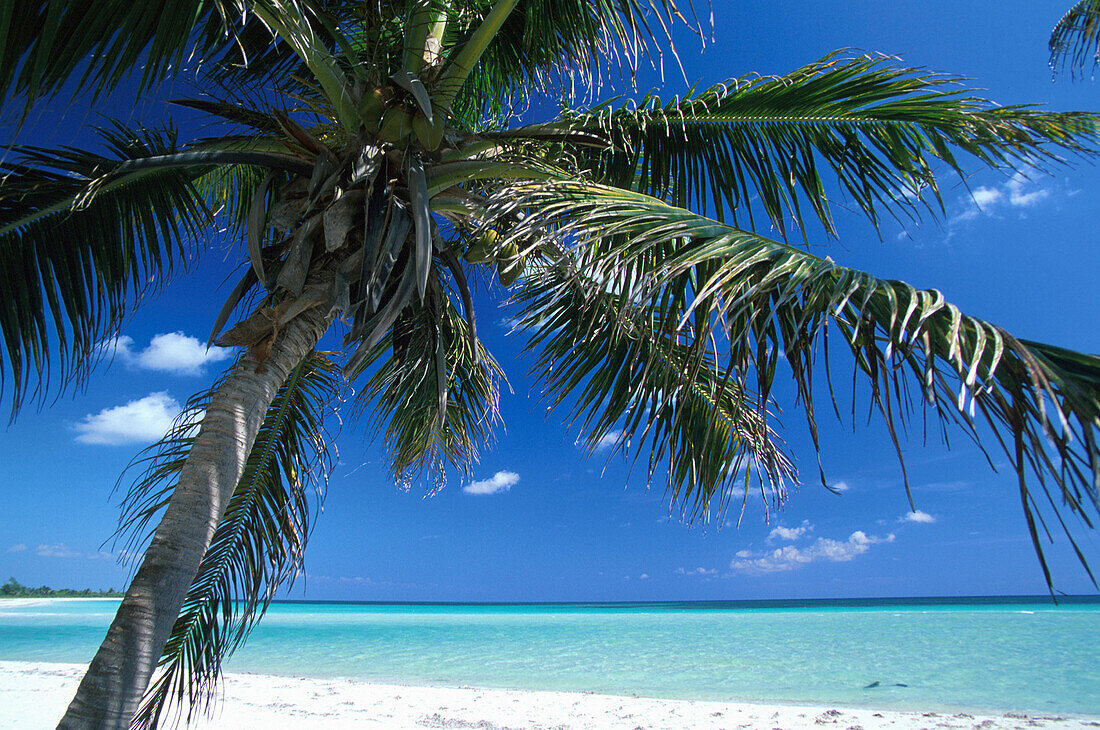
x,y
390,172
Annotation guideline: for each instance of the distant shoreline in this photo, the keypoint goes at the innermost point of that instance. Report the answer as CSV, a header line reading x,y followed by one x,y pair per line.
x,y
878,602
766,603
39,600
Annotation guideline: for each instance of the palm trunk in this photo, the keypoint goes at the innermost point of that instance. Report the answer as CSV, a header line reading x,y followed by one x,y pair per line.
x,y
111,691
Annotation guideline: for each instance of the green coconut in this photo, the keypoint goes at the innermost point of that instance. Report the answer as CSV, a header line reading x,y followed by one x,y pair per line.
x,y
509,265
481,250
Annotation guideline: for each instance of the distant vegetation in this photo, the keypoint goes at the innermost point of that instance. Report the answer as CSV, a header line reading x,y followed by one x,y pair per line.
x,y
15,589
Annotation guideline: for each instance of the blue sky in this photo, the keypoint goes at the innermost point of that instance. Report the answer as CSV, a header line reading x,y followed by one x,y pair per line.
x,y
539,520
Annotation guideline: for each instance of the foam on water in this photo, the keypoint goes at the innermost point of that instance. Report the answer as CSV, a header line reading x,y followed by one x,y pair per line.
x,y
957,655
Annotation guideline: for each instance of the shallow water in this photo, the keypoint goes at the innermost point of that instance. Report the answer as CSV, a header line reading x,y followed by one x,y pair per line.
x,y
923,655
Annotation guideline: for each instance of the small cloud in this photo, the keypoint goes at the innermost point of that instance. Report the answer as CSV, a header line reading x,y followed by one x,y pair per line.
x,y
791,557
643,576
737,490
1018,192
502,481
57,550
139,421
17,548
170,352
918,516
696,571
607,441
1016,195
790,533
984,197
840,487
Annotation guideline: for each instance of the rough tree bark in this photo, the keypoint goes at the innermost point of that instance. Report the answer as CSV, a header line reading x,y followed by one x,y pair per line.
x,y
111,691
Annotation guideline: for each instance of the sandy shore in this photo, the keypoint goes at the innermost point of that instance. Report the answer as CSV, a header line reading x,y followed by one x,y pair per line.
x,y
27,602
34,695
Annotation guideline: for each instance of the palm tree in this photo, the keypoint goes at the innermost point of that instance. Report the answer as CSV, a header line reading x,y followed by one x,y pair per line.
x,y
376,167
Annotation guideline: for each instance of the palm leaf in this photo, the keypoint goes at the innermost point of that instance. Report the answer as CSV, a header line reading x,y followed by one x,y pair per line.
x,y
73,257
881,129
83,233
433,390
49,43
259,60
257,120
292,22
1076,38
259,545
760,298
633,381
542,45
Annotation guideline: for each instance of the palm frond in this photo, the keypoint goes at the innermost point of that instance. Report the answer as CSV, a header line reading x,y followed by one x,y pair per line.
x,y
257,58
228,190
880,128
49,43
547,44
292,22
760,298
76,245
635,382
259,545
253,118
435,396
1075,40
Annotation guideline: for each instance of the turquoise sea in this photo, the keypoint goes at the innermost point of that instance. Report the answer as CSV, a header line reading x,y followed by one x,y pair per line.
x,y
945,654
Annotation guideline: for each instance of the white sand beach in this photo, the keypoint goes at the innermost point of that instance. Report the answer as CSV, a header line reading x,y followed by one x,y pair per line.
x,y
34,695
30,602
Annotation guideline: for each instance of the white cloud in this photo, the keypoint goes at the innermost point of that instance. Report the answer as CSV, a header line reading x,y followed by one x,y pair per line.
x,y
790,557
984,197
1018,192
57,550
170,352
139,421
790,533
18,548
696,571
1016,195
608,440
643,576
918,516
737,491
840,487
502,481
